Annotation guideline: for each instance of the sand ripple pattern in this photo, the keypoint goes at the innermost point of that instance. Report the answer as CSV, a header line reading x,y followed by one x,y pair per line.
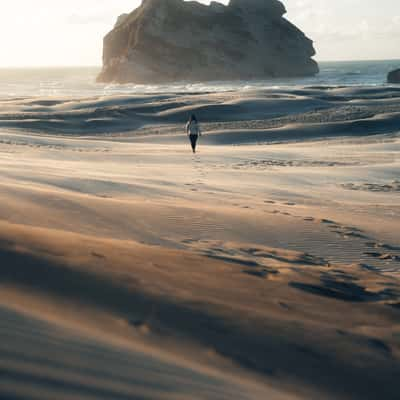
x,y
36,356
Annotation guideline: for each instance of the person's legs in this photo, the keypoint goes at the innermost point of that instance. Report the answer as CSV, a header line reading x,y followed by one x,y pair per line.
x,y
193,141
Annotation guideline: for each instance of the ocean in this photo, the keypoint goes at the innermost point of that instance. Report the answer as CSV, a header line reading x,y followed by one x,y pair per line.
x,y
81,81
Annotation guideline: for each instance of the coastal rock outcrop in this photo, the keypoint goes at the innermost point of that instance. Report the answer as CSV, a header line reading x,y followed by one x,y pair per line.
x,y
174,40
394,76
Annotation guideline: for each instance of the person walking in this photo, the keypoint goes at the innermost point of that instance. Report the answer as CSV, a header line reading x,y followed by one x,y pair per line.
x,y
193,131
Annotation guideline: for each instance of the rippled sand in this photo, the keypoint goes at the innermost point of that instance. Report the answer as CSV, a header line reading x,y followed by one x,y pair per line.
x,y
264,266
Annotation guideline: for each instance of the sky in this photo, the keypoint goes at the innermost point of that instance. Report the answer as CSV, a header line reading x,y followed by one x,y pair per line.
x,y
69,33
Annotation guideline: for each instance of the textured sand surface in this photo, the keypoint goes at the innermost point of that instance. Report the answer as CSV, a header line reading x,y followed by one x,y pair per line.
x,y
265,266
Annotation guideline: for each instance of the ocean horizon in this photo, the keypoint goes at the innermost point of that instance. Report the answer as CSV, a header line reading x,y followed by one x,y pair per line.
x,y
81,81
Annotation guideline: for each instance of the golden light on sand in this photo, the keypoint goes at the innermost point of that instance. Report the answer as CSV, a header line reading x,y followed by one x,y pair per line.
x,y
264,266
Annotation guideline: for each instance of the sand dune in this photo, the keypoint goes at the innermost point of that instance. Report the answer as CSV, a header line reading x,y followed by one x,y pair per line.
x,y
154,295
53,361
294,132
265,266
126,113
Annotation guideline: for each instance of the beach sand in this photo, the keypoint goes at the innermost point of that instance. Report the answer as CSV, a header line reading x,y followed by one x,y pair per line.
x,y
265,266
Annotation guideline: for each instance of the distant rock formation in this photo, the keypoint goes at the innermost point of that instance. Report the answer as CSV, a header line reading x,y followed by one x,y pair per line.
x,y
173,40
121,19
394,76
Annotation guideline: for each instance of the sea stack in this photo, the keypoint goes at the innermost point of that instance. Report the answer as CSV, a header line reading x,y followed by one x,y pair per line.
x,y
394,76
172,40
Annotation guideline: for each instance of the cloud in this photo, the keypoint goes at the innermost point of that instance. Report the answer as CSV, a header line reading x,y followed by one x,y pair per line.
x,y
348,29
84,19
52,32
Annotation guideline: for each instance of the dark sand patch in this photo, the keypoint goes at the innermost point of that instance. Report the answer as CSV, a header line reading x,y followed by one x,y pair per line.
x,y
391,187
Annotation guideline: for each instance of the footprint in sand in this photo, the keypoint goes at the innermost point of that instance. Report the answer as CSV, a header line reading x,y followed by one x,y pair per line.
x,y
281,213
349,234
373,254
356,234
380,346
383,256
98,255
346,232
189,241
383,246
328,222
390,257
285,306
256,273
352,228
334,226
368,267
261,273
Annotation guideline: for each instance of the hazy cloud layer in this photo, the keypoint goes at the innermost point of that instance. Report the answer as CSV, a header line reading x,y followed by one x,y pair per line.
x,y
48,32
349,29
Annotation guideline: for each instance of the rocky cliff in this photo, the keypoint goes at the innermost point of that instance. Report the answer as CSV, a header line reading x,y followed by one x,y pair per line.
x,y
394,76
174,40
